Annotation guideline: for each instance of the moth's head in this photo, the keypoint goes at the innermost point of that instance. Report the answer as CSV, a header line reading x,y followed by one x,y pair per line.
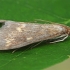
x,y
67,29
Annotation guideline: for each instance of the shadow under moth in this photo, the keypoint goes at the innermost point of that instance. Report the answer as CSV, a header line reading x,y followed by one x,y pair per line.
x,y
18,34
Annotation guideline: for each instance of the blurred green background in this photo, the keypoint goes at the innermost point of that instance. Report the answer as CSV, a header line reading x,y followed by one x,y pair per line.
x,y
43,55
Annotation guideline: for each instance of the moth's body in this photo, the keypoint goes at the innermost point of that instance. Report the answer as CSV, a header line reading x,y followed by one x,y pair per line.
x,y
18,34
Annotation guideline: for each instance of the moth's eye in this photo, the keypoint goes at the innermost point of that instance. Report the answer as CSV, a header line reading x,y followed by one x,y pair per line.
x,y
1,24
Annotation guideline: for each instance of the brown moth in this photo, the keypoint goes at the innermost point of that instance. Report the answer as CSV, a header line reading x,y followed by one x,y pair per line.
x,y
18,34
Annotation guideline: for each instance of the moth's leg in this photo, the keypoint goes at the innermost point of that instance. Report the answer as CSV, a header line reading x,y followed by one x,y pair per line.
x,y
36,44
15,50
60,38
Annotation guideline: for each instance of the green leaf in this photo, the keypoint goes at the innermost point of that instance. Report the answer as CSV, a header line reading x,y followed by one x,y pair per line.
x,y
43,55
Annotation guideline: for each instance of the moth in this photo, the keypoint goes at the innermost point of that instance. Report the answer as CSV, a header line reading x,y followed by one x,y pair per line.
x,y
19,34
